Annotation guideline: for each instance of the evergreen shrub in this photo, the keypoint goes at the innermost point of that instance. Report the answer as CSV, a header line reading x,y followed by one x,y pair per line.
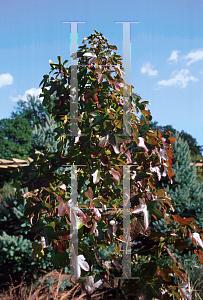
x,y
16,244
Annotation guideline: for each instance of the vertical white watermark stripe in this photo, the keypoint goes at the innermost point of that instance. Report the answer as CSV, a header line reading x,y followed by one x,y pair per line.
x,y
74,80
73,219
126,131
126,223
127,68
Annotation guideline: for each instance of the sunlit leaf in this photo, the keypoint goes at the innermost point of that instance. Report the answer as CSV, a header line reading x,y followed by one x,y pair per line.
x,y
96,176
142,144
90,286
183,287
195,238
142,208
115,174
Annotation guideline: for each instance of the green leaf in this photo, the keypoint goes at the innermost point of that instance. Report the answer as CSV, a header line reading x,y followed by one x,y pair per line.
x,y
94,114
38,251
154,290
52,224
97,120
113,47
148,270
103,246
145,102
49,234
151,206
60,259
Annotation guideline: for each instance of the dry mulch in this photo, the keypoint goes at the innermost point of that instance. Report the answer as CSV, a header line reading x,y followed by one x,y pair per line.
x,y
76,291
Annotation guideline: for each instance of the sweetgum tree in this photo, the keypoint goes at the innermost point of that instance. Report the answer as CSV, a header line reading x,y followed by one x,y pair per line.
x,y
98,147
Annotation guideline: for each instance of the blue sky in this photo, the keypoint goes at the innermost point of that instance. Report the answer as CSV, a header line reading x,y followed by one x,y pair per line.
x,y
166,50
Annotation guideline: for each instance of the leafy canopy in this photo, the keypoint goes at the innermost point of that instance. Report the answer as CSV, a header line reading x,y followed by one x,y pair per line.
x,y
98,220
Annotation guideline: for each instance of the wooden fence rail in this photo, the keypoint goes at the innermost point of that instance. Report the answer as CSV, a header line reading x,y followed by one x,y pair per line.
x,y
10,165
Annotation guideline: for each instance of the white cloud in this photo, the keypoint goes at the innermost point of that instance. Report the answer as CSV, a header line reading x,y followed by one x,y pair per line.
x,y
174,56
180,79
194,56
6,79
146,68
32,91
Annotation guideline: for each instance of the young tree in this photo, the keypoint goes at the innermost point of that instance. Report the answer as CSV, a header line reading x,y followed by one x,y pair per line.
x,y
97,223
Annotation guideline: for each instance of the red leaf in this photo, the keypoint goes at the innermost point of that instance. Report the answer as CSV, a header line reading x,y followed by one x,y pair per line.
x,y
164,272
63,209
183,221
89,194
61,246
104,161
94,154
136,228
66,237
199,253
129,157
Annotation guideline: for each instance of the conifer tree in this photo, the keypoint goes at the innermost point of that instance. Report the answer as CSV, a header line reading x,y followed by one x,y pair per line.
x,y
43,139
185,191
